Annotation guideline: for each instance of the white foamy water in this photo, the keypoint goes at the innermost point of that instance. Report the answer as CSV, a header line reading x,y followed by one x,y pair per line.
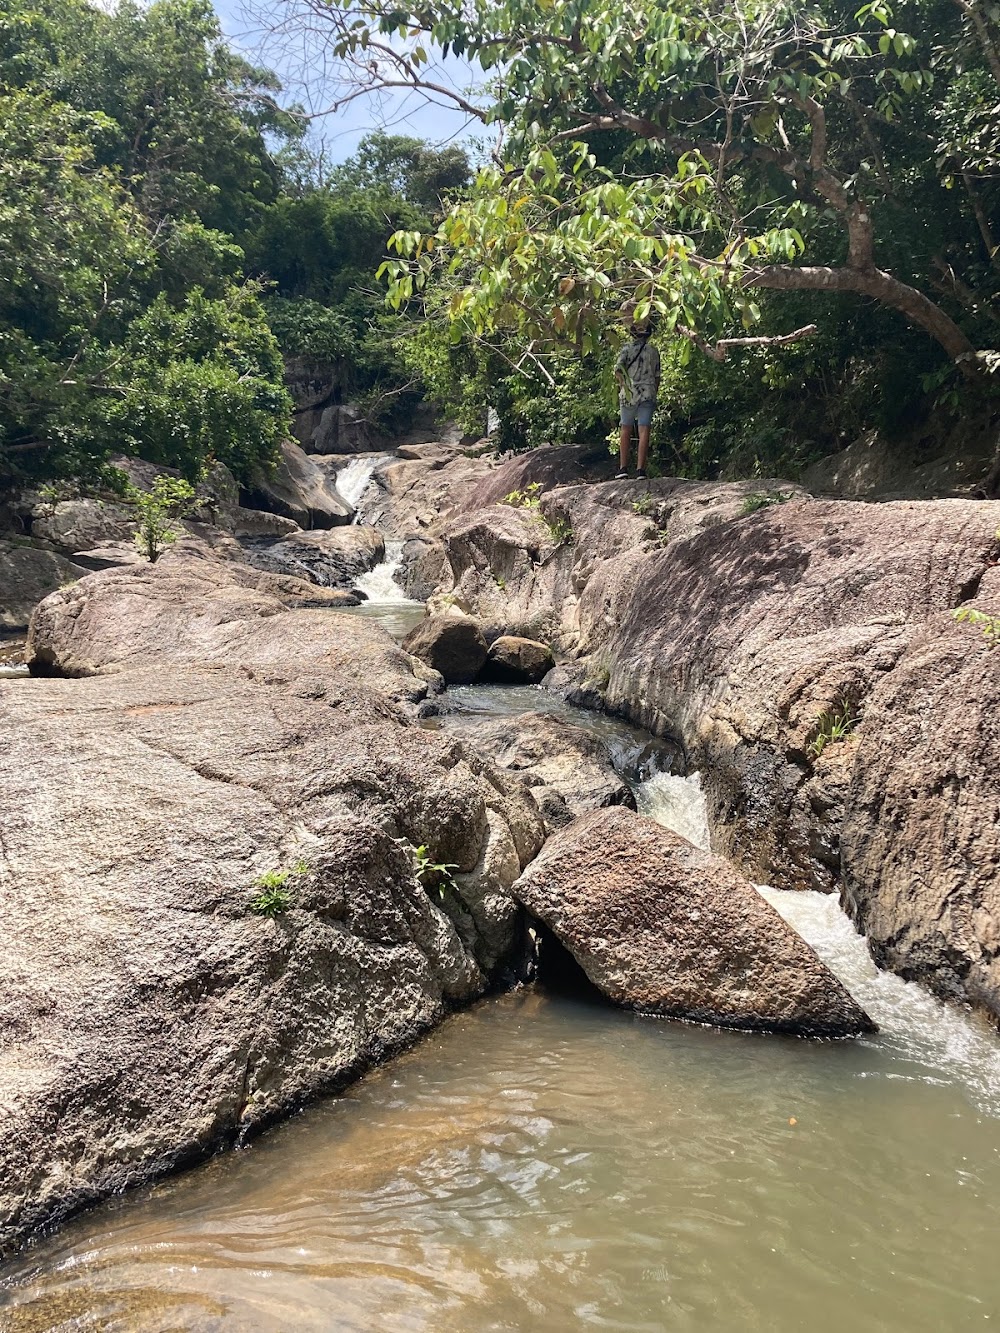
x,y
380,585
926,1040
678,804
934,1042
353,479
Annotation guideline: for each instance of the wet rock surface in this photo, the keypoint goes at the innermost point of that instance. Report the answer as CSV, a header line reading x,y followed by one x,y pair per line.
x,y
334,558
661,926
552,756
149,1015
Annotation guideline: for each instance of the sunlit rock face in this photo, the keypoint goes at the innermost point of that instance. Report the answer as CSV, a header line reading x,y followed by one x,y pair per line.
x,y
216,745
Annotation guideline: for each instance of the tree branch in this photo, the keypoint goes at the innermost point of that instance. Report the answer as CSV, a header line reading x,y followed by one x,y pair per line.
x,y
718,351
882,287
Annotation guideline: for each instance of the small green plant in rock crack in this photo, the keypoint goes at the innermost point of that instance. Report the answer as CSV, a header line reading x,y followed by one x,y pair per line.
x,y
644,505
834,724
990,625
274,894
169,500
529,498
761,500
561,530
434,876
500,581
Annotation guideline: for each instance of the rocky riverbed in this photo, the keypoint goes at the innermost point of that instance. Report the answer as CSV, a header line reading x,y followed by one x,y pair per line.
x,y
211,730
804,654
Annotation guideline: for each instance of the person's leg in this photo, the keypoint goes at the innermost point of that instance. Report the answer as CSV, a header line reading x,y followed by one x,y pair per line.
x,y
644,416
625,446
625,437
643,447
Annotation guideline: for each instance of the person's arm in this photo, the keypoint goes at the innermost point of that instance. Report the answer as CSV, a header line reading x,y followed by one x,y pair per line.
x,y
619,367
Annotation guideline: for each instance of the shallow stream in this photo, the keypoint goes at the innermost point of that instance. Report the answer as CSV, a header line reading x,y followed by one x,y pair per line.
x,y
544,1163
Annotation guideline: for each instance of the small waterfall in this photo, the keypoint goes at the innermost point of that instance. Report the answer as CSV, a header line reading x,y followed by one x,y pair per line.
x,y
933,1042
354,477
379,584
678,804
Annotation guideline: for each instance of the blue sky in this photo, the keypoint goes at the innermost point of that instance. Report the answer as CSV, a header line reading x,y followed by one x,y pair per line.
x,y
303,76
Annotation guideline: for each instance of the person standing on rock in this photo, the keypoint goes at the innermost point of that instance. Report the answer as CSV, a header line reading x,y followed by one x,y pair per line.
x,y
637,374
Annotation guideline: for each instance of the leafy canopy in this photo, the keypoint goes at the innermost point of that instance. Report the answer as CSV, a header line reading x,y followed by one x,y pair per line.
x,y
680,158
125,322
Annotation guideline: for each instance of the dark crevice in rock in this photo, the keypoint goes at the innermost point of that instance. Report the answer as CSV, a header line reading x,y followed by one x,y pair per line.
x,y
558,972
969,590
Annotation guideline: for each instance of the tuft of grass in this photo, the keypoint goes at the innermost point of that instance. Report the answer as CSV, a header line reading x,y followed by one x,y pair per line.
x,y
834,725
270,902
500,581
644,505
762,500
274,890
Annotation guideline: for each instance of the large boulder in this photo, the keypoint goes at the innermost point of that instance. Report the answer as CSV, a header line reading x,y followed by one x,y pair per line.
x,y
454,645
552,758
332,558
222,616
920,836
228,746
518,661
661,926
412,494
77,525
27,574
321,423
300,489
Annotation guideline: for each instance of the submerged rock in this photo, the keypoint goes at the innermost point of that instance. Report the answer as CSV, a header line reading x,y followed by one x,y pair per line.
x,y
661,926
519,661
454,645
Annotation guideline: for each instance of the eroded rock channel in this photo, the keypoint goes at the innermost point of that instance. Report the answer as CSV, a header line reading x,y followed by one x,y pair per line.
x,y
197,734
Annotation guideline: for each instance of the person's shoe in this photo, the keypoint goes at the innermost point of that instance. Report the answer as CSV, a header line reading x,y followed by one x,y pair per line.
x,y
640,474
622,476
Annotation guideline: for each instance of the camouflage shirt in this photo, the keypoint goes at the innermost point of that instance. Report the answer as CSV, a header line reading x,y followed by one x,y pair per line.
x,y
639,363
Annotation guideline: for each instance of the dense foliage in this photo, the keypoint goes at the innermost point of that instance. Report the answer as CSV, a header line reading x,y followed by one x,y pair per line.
x,y
743,172
128,141
319,245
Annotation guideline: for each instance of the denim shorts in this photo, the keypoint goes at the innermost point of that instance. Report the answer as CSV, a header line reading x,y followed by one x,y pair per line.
x,y
641,412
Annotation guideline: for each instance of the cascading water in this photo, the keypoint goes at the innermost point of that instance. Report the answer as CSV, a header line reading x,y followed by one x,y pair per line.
x,y
544,1163
932,1041
354,478
379,585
